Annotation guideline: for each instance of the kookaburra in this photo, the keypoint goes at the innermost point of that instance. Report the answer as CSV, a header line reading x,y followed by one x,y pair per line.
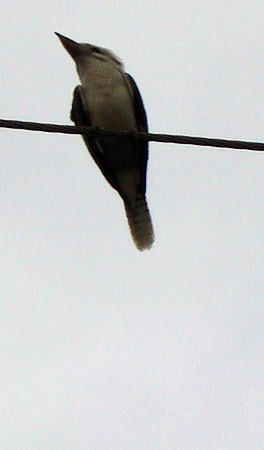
x,y
109,99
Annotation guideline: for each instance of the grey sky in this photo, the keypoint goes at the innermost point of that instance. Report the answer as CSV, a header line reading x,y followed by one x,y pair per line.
x,y
102,346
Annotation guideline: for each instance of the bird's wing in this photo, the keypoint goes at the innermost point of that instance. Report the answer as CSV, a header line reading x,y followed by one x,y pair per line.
x,y
142,125
80,116
139,109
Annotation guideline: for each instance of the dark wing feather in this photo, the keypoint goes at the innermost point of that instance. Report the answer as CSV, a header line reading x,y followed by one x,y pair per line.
x,y
80,116
139,109
142,125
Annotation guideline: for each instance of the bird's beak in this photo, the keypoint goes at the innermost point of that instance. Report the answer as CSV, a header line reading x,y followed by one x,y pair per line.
x,y
74,49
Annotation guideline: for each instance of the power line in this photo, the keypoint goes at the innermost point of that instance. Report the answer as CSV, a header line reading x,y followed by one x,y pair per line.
x,y
166,138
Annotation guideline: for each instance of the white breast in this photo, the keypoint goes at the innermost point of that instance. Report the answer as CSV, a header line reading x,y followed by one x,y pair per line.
x,y
107,97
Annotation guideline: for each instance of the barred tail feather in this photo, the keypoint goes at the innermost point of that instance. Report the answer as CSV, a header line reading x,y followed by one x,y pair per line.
x,y
140,224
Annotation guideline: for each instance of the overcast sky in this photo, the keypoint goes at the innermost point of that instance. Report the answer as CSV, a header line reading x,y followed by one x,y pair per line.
x,y
104,347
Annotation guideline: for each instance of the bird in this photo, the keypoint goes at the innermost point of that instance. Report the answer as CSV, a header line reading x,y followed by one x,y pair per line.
x,y
108,98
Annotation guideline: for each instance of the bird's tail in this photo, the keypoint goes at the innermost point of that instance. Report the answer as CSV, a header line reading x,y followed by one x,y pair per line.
x,y
140,224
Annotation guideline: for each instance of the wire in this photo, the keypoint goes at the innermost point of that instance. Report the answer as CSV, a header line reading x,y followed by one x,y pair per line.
x,y
166,138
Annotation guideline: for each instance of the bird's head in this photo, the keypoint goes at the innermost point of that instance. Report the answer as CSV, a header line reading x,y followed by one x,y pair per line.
x,y
80,51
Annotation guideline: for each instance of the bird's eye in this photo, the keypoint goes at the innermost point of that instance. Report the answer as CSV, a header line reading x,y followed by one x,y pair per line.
x,y
96,50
